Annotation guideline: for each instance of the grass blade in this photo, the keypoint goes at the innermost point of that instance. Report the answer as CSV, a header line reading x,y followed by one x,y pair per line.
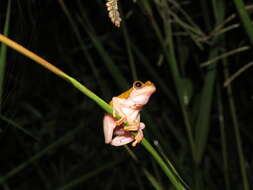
x,y
89,175
17,126
206,98
3,50
129,51
174,180
237,132
238,73
239,4
38,155
223,131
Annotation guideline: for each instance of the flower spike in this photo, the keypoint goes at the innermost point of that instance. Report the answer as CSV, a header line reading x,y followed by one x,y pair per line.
x,y
112,8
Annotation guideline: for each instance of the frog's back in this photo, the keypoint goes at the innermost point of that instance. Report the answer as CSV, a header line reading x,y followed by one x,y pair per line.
x,y
123,95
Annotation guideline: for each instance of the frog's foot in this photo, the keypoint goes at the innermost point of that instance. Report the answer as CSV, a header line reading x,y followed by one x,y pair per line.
x,y
138,138
139,135
121,121
114,114
131,128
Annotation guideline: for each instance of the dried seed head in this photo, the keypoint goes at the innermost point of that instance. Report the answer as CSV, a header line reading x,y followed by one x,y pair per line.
x,y
112,8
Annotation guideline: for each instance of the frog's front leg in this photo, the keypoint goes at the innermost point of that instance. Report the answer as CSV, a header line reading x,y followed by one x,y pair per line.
x,y
118,104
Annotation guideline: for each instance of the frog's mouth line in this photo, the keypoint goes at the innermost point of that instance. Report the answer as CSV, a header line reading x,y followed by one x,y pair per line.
x,y
151,90
138,106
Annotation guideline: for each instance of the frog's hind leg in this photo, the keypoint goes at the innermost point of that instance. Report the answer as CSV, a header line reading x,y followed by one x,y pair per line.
x,y
134,126
121,140
109,125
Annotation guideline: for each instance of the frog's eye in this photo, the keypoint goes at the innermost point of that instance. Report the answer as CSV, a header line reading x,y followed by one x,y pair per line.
x,y
137,84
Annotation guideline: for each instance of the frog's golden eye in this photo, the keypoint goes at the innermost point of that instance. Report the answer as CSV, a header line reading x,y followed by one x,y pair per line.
x,y
137,84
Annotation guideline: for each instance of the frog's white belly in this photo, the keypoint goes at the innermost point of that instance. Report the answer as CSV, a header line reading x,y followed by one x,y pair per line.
x,y
132,115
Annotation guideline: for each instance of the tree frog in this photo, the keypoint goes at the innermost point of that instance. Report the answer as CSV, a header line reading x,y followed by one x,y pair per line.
x,y
127,106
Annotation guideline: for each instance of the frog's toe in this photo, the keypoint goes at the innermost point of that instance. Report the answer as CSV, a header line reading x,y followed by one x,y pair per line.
x,y
142,125
138,138
120,121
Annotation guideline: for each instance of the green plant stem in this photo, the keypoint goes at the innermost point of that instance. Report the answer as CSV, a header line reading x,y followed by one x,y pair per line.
x,y
240,6
92,96
152,180
223,138
162,164
3,51
237,132
129,52
203,120
237,73
17,126
224,55
89,175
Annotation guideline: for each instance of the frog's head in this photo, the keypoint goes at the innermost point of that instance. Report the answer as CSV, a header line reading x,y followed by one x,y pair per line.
x,y
141,92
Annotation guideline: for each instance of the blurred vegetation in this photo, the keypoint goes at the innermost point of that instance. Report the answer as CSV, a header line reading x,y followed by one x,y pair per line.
x,y
199,55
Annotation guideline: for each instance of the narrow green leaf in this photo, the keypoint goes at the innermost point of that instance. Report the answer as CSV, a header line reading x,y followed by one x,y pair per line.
x,y
206,98
237,132
3,50
89,175
245,18
17,126
37,156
